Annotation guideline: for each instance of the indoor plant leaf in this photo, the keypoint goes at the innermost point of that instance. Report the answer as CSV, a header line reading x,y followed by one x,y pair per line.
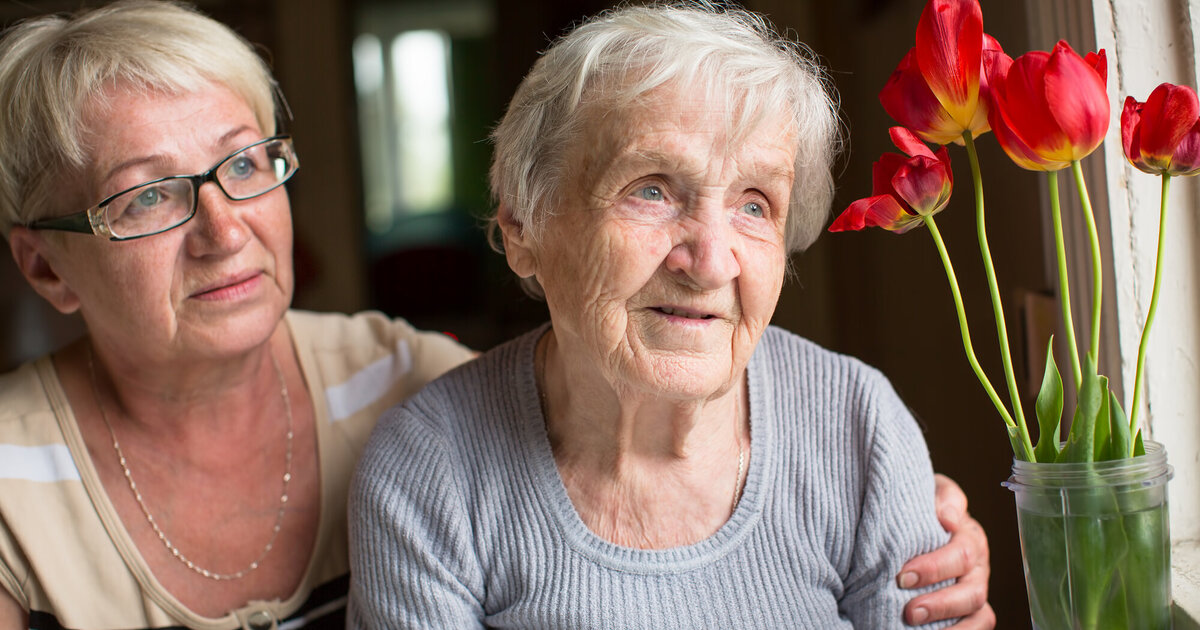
x,y
1081,440
1120,443
1049,409
1102,429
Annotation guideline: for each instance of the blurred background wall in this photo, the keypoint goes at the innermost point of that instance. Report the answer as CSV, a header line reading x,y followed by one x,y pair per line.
x,y
391,105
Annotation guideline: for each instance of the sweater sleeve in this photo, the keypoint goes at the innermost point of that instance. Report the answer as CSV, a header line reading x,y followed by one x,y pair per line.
x,y
898,520
411,542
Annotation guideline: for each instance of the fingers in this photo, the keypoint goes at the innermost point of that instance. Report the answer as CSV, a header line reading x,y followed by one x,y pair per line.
x,y
964,560
967,550
983,619
950,502
967,599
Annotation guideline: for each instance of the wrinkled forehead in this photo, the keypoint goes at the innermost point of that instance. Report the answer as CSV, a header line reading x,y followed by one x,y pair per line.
x,y
728,121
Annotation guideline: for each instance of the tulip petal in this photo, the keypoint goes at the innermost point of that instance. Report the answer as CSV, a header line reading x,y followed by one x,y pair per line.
x,y
1186,161
1016,149
995,63
908,142
878,211
1099,63
883,170
907,98
1167,115
949,48
1131,118
922,184
943,156
1080,99
1022,100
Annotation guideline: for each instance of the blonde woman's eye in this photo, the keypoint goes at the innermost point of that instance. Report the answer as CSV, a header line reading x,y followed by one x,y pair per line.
x,y
241,167
650,193
753,209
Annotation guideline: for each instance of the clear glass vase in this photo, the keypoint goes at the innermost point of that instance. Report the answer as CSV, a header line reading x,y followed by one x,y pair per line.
x,y
1096,542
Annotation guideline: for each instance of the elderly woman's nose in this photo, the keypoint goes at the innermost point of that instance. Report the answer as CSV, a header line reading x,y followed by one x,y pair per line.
x,y
705,253
222,228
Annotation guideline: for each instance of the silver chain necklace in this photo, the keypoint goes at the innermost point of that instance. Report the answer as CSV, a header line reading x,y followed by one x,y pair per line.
x,y
137,495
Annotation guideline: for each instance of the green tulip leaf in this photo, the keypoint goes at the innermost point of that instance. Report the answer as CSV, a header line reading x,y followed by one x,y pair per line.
x,y
1049,410
1101,442
1121,444
1081,440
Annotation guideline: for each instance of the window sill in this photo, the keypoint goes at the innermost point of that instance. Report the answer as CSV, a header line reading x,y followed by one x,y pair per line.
x,y
1185,584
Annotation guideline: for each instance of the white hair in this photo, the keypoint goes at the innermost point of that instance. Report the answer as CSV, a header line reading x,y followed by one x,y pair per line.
x,y
617,57
53,68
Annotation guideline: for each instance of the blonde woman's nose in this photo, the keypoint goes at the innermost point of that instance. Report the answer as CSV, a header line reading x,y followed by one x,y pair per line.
x,y
220,221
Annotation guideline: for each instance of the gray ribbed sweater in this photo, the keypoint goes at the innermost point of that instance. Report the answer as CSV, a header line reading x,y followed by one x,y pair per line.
x,y
458,518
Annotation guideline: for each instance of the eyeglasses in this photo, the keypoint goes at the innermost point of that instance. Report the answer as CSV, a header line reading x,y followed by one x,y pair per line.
x,y
168,202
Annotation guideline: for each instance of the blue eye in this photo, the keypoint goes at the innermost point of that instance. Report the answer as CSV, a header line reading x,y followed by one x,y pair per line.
x,y
753,209
147,198
650,193
241,167
139,202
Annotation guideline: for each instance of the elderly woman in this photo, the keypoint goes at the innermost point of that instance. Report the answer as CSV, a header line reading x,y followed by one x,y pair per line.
x,y
656,456
185,464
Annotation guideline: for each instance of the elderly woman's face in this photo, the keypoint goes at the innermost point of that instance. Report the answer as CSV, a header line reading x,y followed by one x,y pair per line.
x,y
215,285
665,262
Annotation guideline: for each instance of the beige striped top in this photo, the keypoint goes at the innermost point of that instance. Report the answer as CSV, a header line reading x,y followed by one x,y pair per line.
x,y
64,554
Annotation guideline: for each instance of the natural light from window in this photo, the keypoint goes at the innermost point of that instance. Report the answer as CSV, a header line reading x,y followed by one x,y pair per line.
x,y
404,108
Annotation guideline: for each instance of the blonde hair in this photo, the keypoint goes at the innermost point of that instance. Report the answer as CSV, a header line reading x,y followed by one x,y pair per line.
x,y
617,57
52,68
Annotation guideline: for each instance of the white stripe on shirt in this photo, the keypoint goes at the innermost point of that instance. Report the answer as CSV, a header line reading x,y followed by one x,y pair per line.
x,y
47,464
369,384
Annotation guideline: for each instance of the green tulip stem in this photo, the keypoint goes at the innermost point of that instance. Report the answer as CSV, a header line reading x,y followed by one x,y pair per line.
x,y
1064,285
1158,267
993,287
1097,264
965,330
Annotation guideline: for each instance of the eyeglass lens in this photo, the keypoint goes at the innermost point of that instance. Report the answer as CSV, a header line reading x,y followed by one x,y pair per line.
x,y
161,205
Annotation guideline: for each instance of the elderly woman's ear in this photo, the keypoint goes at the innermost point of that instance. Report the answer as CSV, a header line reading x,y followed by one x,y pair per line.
x,y
518,248
29,251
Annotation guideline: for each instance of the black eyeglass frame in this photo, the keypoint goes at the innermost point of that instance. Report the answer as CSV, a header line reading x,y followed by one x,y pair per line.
x,y
91,221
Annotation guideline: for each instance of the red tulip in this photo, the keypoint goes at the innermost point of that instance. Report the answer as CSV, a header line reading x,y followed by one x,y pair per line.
x,y
904,190
1162,135
1049,109
939,89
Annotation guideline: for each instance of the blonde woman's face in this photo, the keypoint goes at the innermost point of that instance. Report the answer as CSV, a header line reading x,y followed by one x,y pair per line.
x,y
664,264
213,287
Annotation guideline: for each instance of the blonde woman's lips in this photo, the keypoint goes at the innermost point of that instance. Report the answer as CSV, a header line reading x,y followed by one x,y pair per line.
x,y
230,288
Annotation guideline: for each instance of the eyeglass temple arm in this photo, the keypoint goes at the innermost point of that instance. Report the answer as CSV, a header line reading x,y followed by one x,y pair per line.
x,y
78,222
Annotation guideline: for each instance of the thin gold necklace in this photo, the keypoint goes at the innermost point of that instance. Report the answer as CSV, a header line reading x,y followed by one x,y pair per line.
x,y
137,495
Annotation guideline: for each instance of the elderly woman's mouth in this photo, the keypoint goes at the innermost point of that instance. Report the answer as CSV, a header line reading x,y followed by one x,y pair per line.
x,y
681,312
